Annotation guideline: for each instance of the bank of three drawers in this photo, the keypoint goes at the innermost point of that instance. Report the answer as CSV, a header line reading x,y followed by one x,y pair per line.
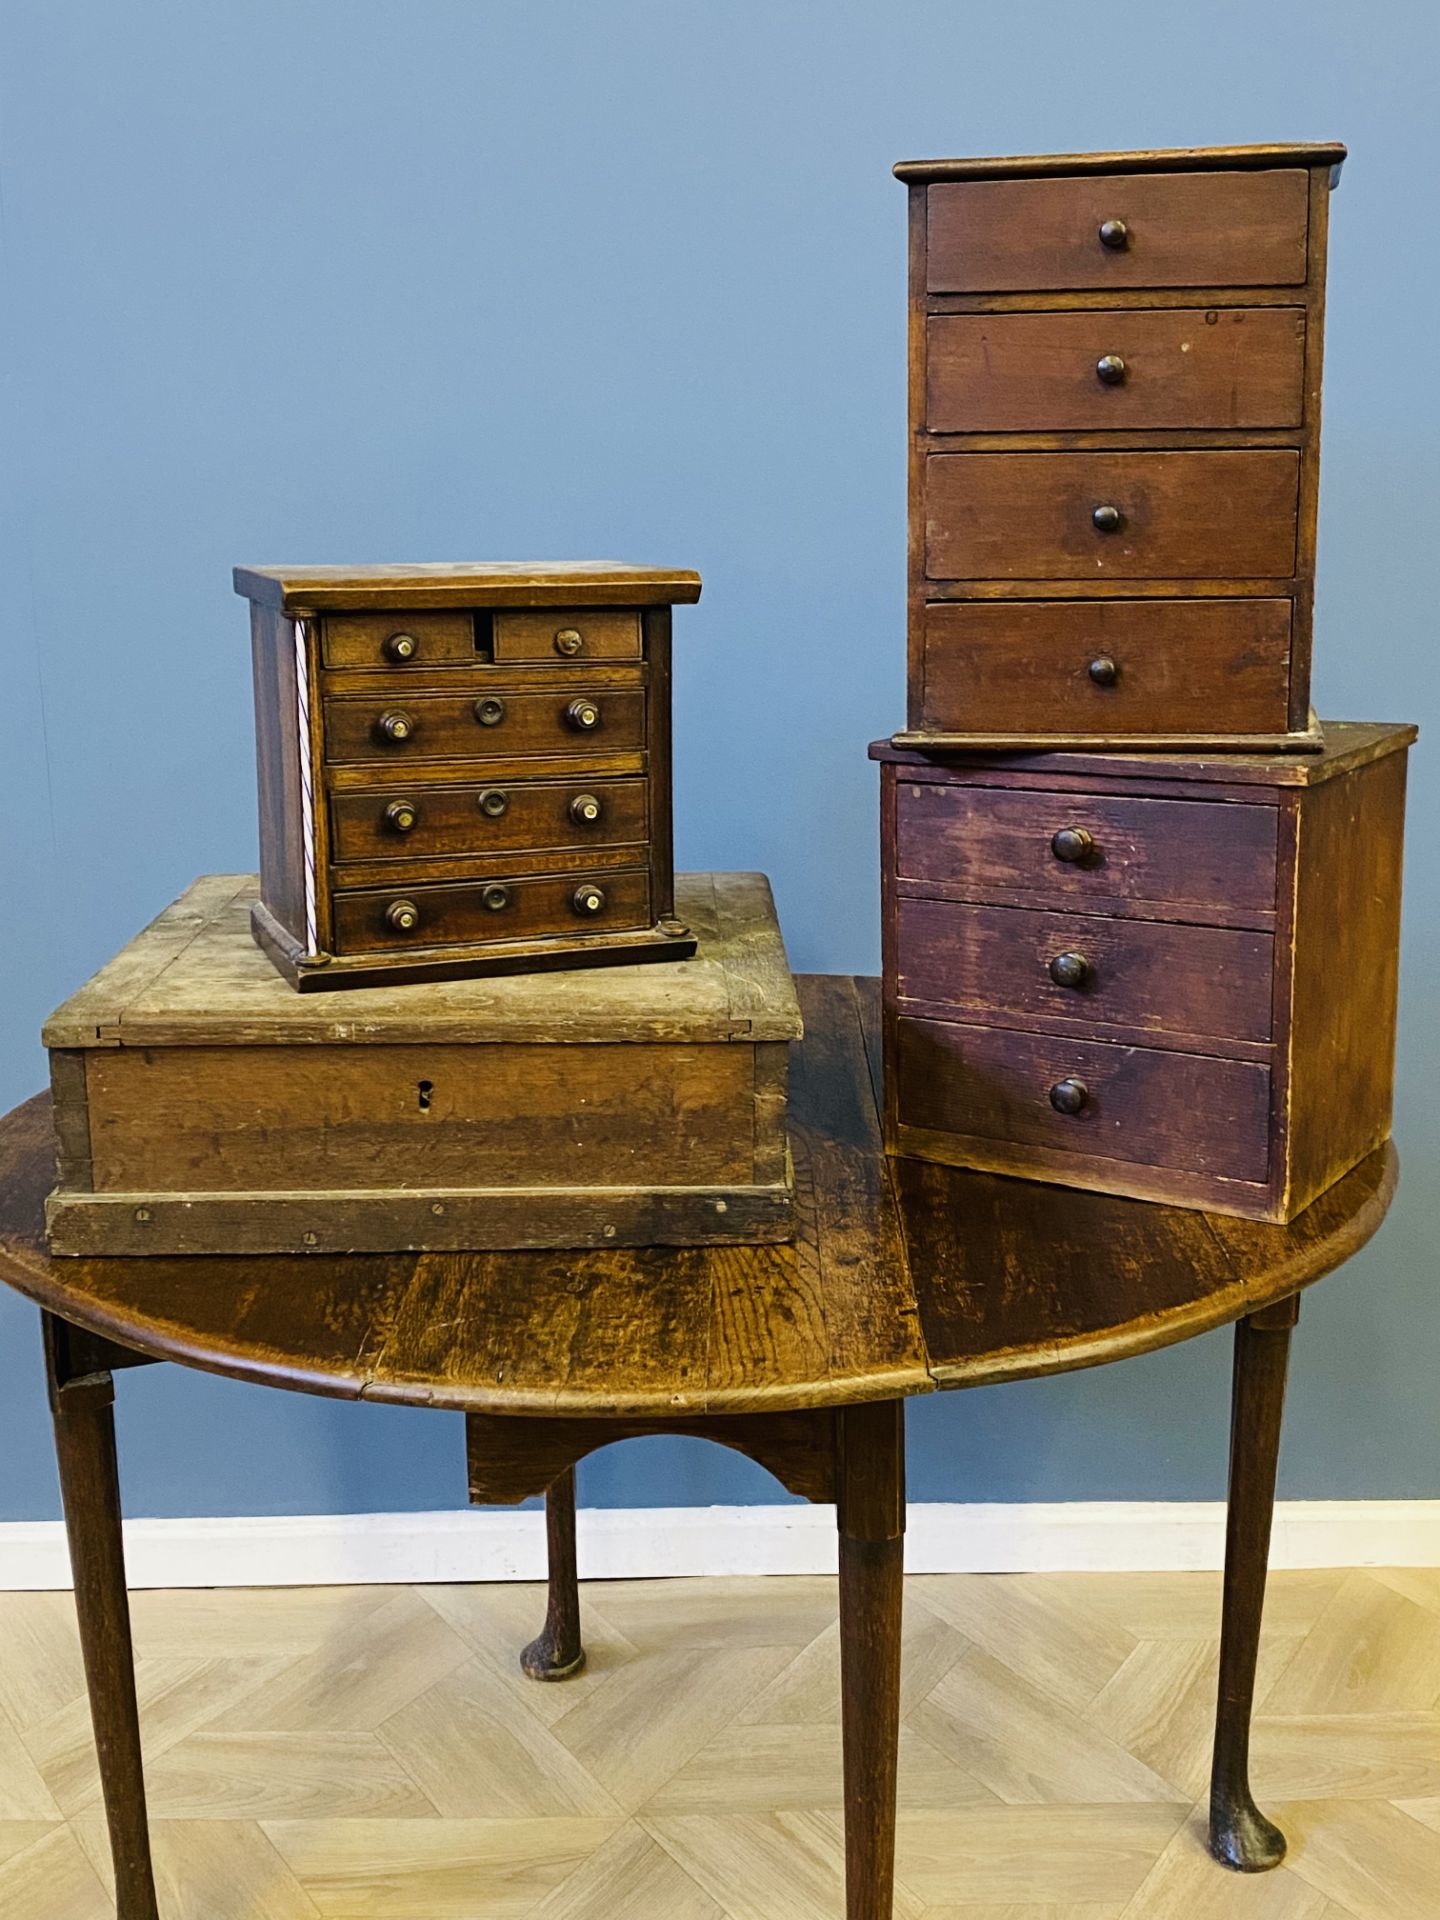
x,y
463,770
1115,374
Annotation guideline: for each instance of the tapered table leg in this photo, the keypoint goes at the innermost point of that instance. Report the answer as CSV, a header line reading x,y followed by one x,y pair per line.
x,y
871,1512
559,1652
90,1485
1240,1835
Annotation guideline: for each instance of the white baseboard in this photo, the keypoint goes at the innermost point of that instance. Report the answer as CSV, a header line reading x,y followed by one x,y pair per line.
x,y
663,1542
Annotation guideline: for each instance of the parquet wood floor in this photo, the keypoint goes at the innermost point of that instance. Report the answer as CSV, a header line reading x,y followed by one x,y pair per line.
x,y
374,1754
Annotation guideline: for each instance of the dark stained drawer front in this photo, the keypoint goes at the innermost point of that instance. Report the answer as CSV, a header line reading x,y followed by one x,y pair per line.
x,y
1147,974
1189,1111
403,640
550,633
479,724
1191,854
1107,666
387,823
1037,372
1240,229
392,919
1120,516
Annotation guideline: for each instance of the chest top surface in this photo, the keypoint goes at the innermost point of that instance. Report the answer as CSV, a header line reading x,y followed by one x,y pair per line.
x,y
480,583
1305,153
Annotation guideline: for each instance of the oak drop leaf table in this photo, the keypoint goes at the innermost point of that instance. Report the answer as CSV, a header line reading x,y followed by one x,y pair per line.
x,y
904,1278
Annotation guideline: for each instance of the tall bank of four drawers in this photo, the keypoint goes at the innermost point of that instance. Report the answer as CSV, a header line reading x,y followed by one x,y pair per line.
x,y
1128,972
1115,412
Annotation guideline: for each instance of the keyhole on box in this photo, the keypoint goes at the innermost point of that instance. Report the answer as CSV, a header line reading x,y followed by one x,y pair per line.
x,y
425,1089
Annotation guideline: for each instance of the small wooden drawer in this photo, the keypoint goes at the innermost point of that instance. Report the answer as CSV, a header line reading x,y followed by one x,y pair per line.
x,y
1110,371
483,724
1152,976
508,815
1112,516
554,633
404,639
1193,1112
1121,667
387,920
1203,229
974,842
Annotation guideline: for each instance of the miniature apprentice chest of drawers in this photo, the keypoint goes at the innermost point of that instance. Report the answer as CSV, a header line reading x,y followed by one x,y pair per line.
x,y
463,770
1115,379
1170,977
202,1107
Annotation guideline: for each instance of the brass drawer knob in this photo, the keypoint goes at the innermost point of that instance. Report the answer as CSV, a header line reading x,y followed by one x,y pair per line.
x,y
490,711
587,900
1069,1095
1107,519
569,641
396,725
1110,369
1114,234
585,809
1070,970
583,715
493,802
401,816
1072,844
401,647
402,916
1103,671
497,898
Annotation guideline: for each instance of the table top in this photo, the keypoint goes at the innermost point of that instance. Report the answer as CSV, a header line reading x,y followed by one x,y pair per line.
x,y
902,1278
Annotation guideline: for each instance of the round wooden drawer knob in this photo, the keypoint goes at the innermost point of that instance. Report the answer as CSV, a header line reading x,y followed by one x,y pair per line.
x,y
1115,235
497,898
569,641
587,901
1103,671
585,809
401,816
490,711
1110,369
396,725
401,647
1107,519
1070,970
402,916
1069,1095
582,715
493,802
1072,844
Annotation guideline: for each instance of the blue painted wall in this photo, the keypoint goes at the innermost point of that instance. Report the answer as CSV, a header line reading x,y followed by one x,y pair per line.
x,y
453,280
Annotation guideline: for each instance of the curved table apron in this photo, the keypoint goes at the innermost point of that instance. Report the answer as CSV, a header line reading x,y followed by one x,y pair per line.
x,y
903,1278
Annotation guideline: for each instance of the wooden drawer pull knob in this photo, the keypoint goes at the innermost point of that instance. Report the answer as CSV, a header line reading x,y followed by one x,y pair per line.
x,y
1069,1095
493,802
1114,234
1103,671
490,712
587,901
1072,844
402,916
585,809
583,715
1070,970
401,816
497,898
569,641
401,647
1107,519
395,725
1110,369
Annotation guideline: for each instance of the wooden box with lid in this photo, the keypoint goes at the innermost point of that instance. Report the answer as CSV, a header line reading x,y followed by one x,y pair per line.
x,y
1115,375
1151,974
463,769
202,1107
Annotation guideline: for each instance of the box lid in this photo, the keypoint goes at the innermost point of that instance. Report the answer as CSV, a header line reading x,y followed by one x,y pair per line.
x,y
1304,153
478,583
1348,744
195,977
